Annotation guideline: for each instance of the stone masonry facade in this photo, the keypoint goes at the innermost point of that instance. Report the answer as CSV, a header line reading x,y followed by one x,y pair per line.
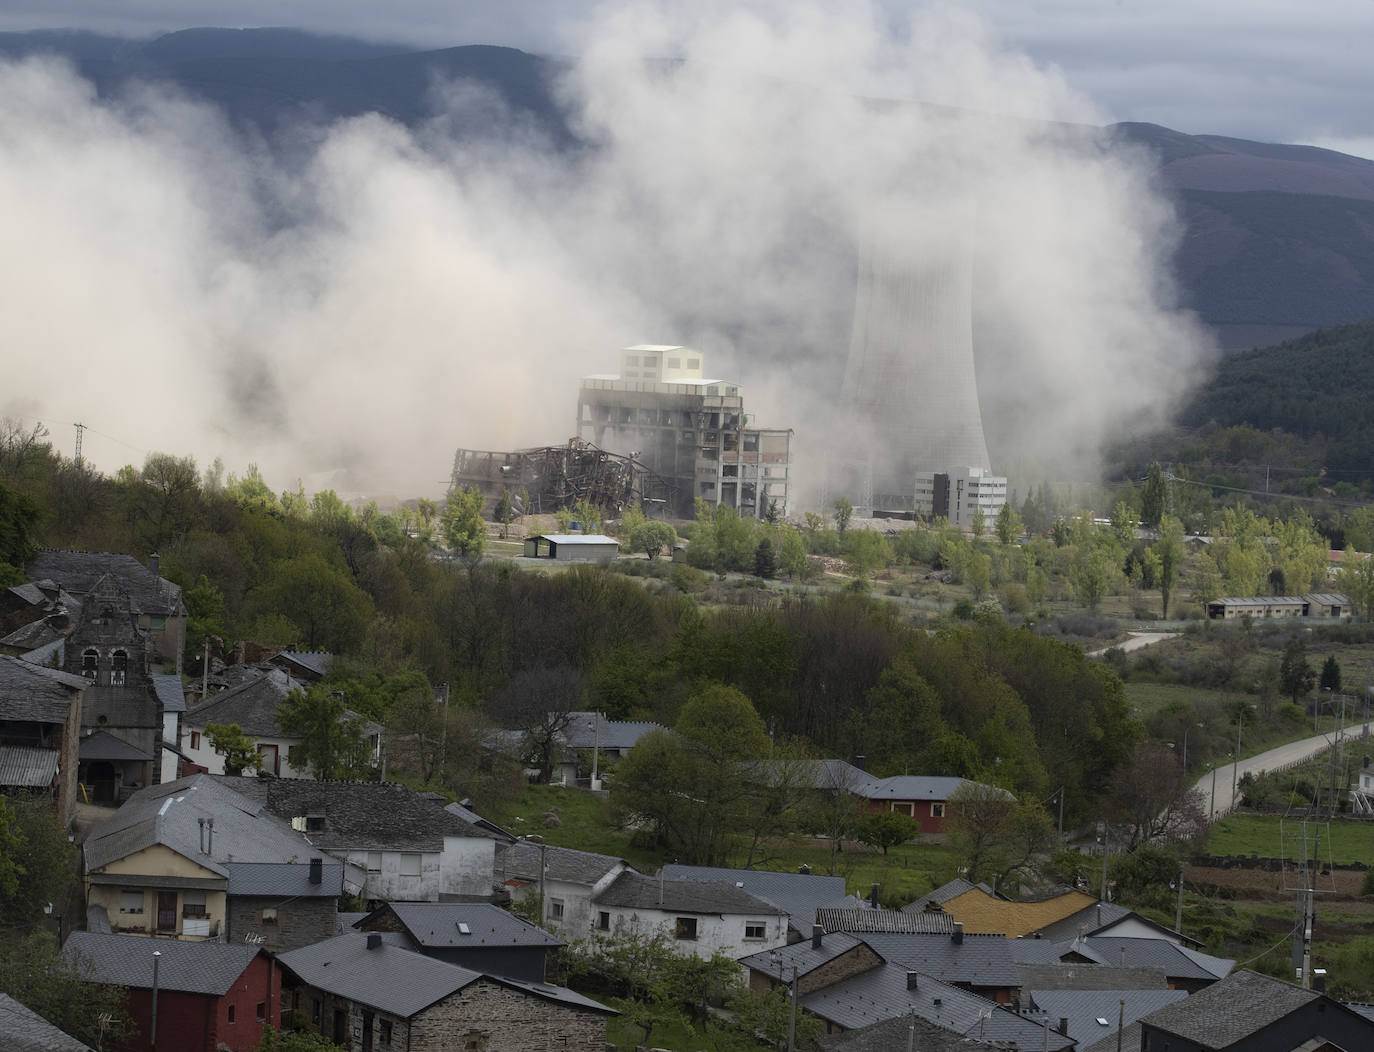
x,y
489,1017
299,921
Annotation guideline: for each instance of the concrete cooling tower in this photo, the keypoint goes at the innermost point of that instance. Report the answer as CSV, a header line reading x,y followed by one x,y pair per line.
x,y
909,386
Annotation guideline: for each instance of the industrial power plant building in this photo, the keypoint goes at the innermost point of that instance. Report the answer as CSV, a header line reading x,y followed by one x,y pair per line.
x,y
959,494
665,414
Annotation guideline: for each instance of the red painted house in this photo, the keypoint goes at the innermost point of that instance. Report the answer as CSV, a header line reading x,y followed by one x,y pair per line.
x,y
922,797
210,995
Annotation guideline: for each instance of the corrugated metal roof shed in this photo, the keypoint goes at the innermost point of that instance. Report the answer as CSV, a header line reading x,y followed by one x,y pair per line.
x,y
28,766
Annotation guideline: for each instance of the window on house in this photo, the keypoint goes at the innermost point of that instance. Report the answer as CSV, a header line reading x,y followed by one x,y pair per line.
x,y
693,363
315,1011
937,810
293,753
314,823
386,1031
685,928
231,1013
755,929
269,915
603,921
131,902
195,739
157,623
193,904
555,909
262,1011
119,668
374,861
90,662
410,864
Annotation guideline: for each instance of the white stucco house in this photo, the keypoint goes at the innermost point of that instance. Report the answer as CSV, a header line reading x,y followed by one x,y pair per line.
x,y
568,880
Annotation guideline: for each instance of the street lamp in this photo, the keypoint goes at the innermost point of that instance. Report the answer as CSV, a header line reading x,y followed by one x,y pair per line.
x,y
1235,769
48,911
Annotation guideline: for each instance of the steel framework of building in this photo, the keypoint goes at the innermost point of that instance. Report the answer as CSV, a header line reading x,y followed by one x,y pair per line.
x,y
555,477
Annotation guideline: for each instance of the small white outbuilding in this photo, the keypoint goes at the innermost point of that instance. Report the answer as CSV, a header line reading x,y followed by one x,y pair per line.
x,y
572,547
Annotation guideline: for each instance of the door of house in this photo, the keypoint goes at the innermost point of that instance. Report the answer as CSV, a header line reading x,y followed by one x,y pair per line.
x,y
341,1035
269,759
166,911
367,1032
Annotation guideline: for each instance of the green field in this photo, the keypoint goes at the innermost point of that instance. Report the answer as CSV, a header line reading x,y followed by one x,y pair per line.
x,y
1351,840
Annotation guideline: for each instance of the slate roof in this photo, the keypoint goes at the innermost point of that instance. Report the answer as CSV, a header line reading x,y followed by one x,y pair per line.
x,y
316,662
1232,1009
882,993
980,960
801,955
436,925
585,731
633,890
871,920
911,787
35,694
796,894
474,819
521,861
359,816
1086,921
1083,1009
78,572
34,635
943,894
168,814
897,1033
170,692
101,745
252,704
400,981
26,1031
191,967
1178,962
1079,976
284,880
28,766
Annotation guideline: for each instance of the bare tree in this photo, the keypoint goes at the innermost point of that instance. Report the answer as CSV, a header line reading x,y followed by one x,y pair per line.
x,y
540,702
1153,798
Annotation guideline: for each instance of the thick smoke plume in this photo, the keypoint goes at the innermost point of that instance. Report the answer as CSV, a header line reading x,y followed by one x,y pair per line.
x,y
367,297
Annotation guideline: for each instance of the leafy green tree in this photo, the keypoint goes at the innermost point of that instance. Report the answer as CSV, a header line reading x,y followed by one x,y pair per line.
x,y
505,511
1123,524
885,829
274,1040
1296,675
1009,525
461,523
240,751
329,610
997,837
33,971
770,1014
865,552
765,565
1166,556
844,512
38,864
652,538
1089,575
1154,497
333,744
1357,582
19,516
792,558
978,525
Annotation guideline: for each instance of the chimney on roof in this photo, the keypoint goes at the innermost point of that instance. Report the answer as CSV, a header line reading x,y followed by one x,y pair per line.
x,y
817,932
958,937
1064,1025
317,871
873,896
860,761
210,836
154,562
911,980
374,940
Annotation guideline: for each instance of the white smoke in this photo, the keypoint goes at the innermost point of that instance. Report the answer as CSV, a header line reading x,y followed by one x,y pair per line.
x,y
372,297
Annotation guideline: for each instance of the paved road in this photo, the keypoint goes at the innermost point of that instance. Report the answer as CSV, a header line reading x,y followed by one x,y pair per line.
x,y
1137,641
1283,756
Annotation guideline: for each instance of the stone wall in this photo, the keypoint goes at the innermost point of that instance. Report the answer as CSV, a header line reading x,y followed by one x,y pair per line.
x,y
300,921
489,1017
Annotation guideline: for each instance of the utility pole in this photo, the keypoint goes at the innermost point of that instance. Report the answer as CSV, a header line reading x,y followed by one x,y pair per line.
x,y
79,429
152,1037
1178,910
792,1018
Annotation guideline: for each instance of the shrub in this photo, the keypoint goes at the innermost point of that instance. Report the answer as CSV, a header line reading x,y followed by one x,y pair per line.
x,y
687,578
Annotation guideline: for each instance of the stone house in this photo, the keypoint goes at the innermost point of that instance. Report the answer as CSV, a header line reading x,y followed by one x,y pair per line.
x,y
396,844
366,993
475,935
40,721
210,996
193,860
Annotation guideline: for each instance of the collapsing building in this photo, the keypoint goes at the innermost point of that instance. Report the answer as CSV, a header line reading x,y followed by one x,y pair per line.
x,y
910,394
691,431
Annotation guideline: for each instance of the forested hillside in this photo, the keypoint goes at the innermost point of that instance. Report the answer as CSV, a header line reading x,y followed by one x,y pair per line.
x,y
842,673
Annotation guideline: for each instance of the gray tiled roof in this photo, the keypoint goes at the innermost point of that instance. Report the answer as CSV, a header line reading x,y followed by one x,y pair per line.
x,y
26,1031
397,980
34,694
28,766
585,731
1081,976
284,879
127,960
801,955
1083,1009
521,861
169,814
316,662
34,635
78,572
633,890
360,816
798,894
170,692
101,745
1232,1009
1086,921
474,819
862,920
1178,962
435,925
979,960
253,704
882,993
899,1033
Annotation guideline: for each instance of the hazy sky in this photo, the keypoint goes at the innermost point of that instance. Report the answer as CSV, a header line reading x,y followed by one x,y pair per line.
x,y
1273,70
